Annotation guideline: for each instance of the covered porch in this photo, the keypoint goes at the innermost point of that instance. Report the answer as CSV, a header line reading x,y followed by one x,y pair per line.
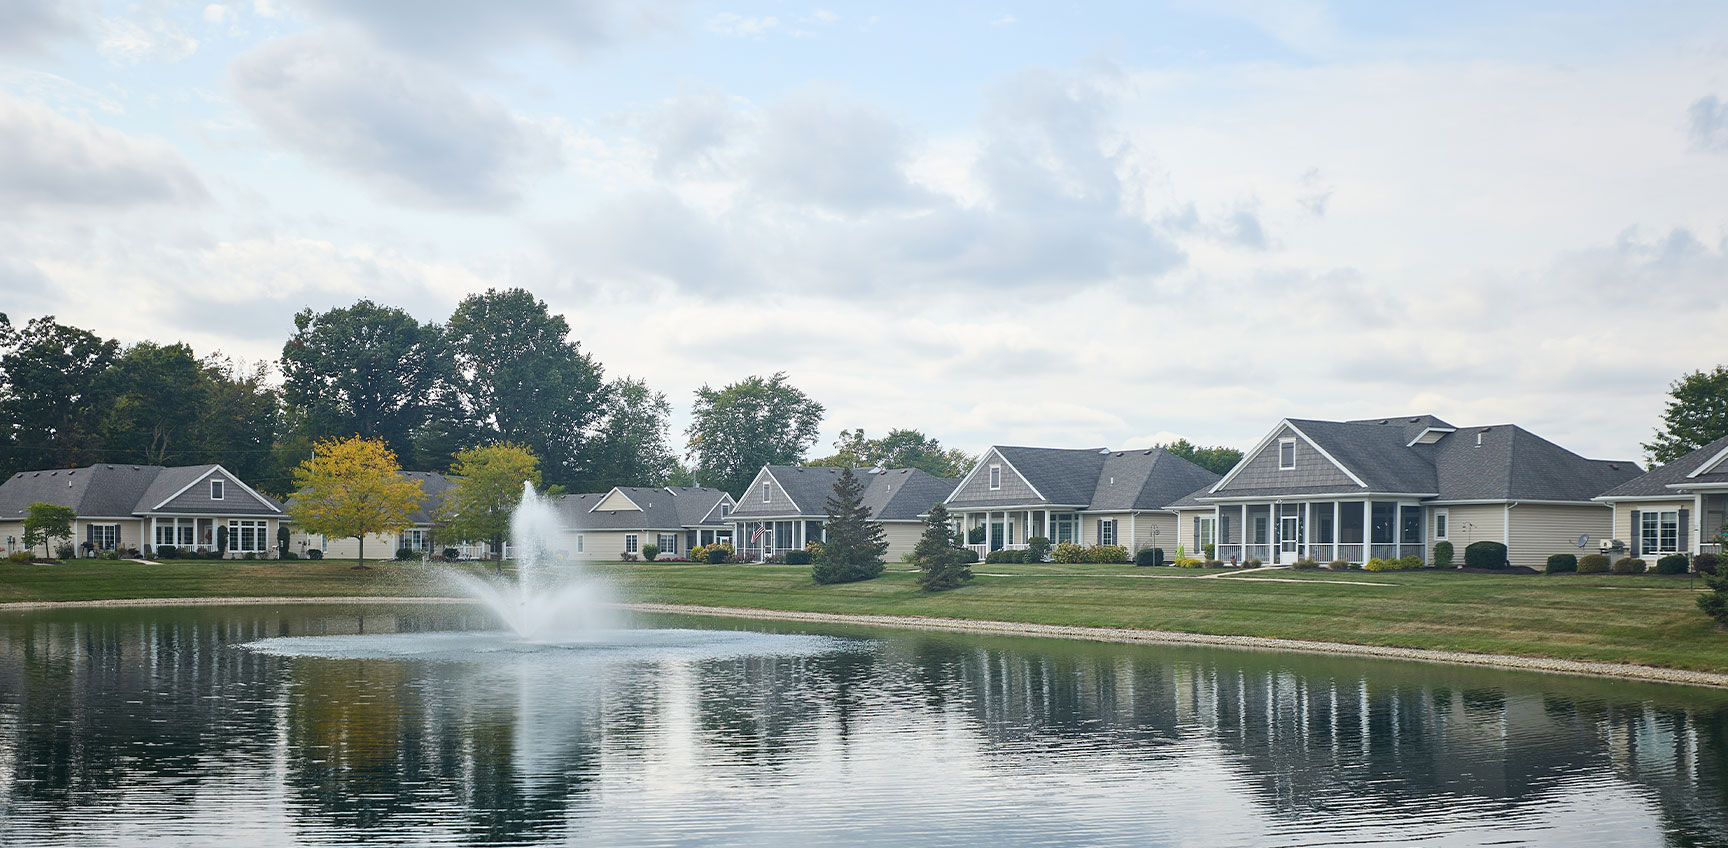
x,y
1008,529
1282,532
756,541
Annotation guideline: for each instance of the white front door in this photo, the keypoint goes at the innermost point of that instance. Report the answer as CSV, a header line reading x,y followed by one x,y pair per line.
x,y
1287,539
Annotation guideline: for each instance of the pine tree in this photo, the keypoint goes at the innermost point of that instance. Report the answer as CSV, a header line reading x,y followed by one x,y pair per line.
x,y
939,556
1714,603
854,545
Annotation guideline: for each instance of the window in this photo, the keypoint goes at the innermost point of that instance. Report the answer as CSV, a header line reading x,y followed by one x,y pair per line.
x,y
630,545
1208,534
247,536
1381,516
418,540
1107,532
765,496
1441,520
165,533
215,490
1661,533
725,510
102,537
1260,535
1410,525
1286,454
995,477
668,543
1067,527
579,542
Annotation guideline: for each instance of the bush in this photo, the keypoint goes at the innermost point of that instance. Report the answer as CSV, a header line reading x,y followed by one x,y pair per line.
x,y
252,555
1705,563
1442,554
452,554
314,554
290,555
1184,562
132,553
1671,564
1069,553
968,556
1107,553
21,556
975,536
650,552
1212,563
719,553
1339,565
1253,562
406,554
65,551
167,552
1306,564
699,553
1210,549
626,556
1561,564
1378,564
1593,564
1485,555
1630,565
797,557
1149,556
1037,549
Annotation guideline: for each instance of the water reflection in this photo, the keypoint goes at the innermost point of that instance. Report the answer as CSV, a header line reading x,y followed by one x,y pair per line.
x,y
118,727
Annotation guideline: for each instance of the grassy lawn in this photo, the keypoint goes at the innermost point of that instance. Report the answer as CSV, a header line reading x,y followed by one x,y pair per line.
x,y
1644,619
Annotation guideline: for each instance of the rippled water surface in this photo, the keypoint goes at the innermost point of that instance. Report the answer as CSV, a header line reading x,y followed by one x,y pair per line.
x,y
420,726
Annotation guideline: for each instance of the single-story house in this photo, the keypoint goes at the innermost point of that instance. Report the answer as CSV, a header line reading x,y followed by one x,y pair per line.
x,y
421,537
121,506
785,507
1392,487
1678,508
1092,496
675,519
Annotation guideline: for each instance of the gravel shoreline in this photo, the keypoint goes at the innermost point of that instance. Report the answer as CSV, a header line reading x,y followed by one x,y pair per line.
x,y
1623,671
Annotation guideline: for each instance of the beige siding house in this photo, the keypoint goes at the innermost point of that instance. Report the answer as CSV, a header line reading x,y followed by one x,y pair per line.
x,y
143,507
624,520
1087,497
1679,508
783,508
1389,488
425,536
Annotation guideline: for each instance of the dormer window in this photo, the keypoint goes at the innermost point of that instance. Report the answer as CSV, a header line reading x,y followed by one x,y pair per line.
x,y
725,510
1286,454
765,496
215,490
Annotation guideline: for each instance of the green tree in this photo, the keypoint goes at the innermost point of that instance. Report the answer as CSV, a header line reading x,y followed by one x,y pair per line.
x,y
1697,415
852,545
1218,460
241,423
899,449
51,402
1714,602
160,395
758,421
45,522
631,447
526,382
487,489
941,562
365,370
353,488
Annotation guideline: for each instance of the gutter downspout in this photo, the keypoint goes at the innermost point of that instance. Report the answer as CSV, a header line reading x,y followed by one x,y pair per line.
x,y
1506,532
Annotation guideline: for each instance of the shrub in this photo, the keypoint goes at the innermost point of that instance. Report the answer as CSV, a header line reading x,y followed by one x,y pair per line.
x,y
1213,563
1037,549
249,555
626,556
968,556
1339,565
1561,564
1485,555
1069,553
1107,553
1210,549
314,554
64,550
1253,562
1630,565
132,553
1671,564
452,554
1306,564
21,556
1149,556
699,553
1378,564
975,536
719,553
221,538
167,552
1705,563
292,555
1593,564
797,557
406,554
650,552
1184,562
1442,554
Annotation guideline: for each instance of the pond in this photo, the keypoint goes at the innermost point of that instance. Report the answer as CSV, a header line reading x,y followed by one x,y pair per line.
x,y
315,725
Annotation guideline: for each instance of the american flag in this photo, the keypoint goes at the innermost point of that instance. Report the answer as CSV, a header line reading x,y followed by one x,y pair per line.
x,y
761,530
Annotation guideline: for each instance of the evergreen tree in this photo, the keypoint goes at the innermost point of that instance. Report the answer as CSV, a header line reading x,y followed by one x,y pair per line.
x,y
854,546
1714,603
939,556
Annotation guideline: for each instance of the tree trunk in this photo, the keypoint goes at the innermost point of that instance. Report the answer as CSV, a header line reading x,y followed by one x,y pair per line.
x,y
498,555
360,561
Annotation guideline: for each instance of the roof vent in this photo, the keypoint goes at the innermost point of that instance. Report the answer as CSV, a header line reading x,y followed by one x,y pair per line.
x,y
1103,451
1382,421
1479,438
1146,453
110,468
1613,466
1415,421
905,471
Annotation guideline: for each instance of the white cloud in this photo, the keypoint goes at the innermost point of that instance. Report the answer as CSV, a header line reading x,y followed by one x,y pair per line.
x,y
457,32
32,28
128,42
50,161
742,26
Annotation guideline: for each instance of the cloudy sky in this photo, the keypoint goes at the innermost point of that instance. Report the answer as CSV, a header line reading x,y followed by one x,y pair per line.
x,y
997,223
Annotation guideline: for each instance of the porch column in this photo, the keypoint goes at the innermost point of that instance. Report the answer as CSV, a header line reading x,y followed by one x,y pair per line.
x,y
1302,536
1398,530
1028,537
153,540
989,531
1367,529
1131,536
1247,531
1050,532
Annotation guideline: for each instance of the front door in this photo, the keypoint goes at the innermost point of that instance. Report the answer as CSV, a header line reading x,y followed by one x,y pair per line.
x,y
1287,539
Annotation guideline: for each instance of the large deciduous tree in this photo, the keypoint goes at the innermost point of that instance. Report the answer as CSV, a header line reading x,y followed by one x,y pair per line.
x,y
852,544
898,449
1697,415
51,404
524,381
364,370
631,445
353,488
488,486
1218,459
161,394
758,421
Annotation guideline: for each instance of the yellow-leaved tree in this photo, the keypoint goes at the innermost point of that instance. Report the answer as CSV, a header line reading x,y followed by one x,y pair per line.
x,y
486,487
353,488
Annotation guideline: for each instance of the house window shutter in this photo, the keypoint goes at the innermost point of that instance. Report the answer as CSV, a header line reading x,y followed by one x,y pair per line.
x,y
1637,530
1683,542
1196,537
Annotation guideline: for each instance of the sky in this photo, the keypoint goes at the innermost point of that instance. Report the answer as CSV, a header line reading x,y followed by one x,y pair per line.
x,y
1104,226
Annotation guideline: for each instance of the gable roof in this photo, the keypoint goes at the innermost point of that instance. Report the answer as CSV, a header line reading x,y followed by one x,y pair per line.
x,y
666,508
1096,478
1674,478
892,494
111,490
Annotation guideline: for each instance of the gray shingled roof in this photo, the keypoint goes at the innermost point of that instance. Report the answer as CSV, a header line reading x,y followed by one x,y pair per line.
x,y
895,494
661,509
104,490
434,485
1099,479
1376,452
1657,480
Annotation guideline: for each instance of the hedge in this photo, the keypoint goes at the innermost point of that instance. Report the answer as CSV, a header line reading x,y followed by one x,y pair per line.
x,y
1485,555
1560,563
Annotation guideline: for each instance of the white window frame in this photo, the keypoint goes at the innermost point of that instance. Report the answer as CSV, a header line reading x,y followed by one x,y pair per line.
x,y
260,535
631,544
110,536
767,497
1208,532
1282,443
668,543
218,490
995,477
1665,520
1442,525
416,539
1066,527
1106,531
579,541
